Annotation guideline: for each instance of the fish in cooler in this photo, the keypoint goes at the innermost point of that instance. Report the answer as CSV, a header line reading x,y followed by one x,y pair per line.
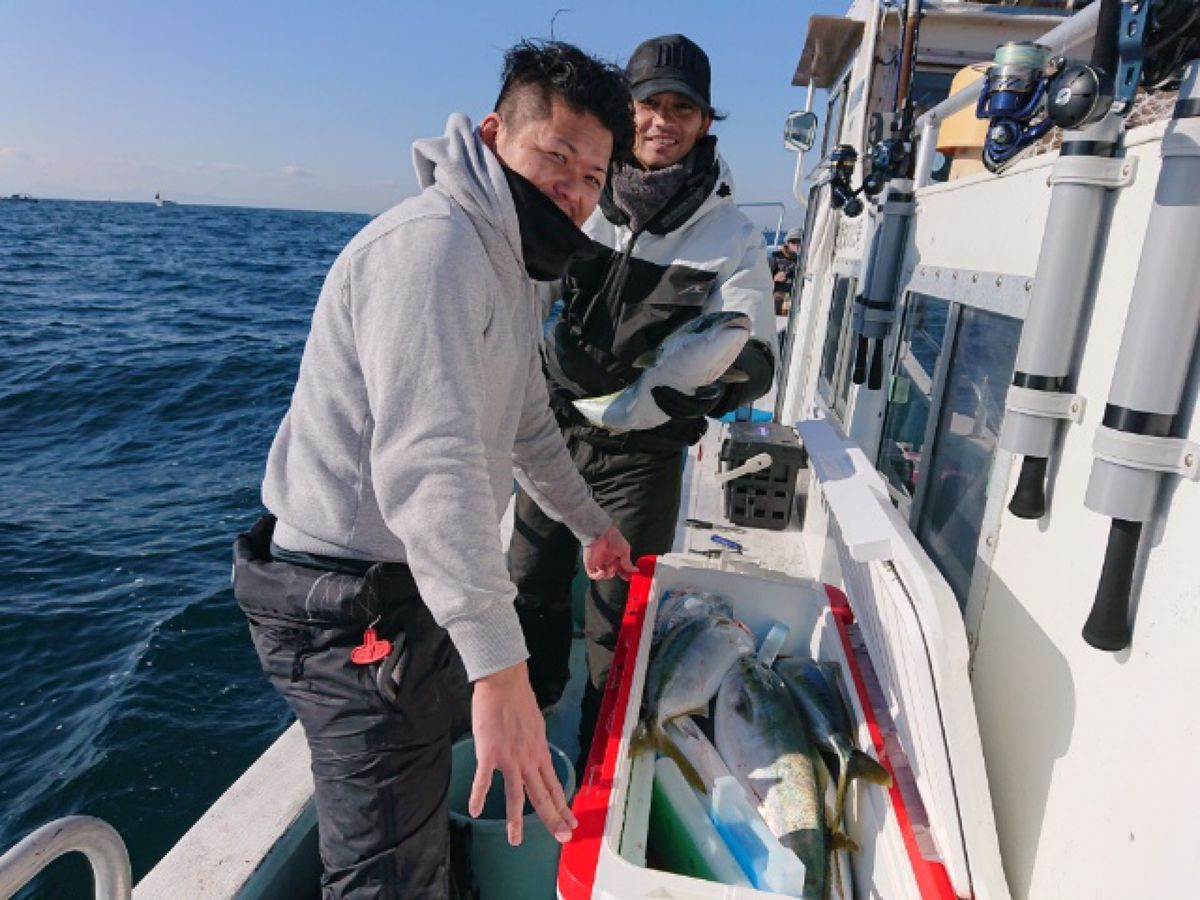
x,y
761,735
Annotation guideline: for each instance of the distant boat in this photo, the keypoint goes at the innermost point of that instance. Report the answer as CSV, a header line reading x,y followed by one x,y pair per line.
x,y
159,201
19,198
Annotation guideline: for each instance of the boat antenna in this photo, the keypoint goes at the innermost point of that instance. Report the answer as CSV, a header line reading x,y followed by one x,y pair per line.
x,y
552,18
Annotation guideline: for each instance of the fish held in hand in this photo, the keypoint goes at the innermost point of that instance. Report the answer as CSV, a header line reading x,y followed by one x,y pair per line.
x,y
700,352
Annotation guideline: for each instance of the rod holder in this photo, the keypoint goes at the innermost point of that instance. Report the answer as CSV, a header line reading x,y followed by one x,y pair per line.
x,y
875,375
1029,499
1107,626
859,373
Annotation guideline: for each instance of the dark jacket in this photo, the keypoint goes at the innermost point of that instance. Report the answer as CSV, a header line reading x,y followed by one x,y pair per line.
x,y
700,253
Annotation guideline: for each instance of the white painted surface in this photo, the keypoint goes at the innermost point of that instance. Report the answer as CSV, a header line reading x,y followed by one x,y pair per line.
x,y
1068,732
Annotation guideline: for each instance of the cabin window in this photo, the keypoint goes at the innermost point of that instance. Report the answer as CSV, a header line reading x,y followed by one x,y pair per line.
x,y
929,88
834,114
911,395
830,384
969,411
849,343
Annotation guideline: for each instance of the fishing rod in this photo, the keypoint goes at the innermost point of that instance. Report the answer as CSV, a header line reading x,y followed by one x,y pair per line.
x,y
1141,438
1023,99
1138,42
891,170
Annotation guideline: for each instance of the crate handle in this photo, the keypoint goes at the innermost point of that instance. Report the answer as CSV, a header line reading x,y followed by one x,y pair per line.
x,y
754,464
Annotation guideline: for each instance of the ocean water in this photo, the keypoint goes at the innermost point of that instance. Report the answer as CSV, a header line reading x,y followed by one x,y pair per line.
x,y
146,358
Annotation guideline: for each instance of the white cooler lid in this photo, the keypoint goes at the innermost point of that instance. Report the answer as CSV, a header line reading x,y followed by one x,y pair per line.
x,y
913,630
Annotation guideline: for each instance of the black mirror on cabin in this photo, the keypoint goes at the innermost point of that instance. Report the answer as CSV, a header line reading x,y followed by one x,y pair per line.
x,y
800,131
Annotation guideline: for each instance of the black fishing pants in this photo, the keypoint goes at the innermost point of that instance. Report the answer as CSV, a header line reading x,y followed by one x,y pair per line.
x,y
640,490
380,745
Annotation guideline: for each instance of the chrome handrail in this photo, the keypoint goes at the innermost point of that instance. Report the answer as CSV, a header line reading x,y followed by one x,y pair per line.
x,y
94,838
779,224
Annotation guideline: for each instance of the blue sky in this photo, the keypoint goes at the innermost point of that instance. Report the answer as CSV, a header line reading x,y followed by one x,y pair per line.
x,y
314,105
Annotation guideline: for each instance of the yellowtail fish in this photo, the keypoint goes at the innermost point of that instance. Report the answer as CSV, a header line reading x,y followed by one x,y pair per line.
x,y
761,735
699,352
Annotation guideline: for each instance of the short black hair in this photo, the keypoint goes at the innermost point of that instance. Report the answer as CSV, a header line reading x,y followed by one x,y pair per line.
x,y
535,72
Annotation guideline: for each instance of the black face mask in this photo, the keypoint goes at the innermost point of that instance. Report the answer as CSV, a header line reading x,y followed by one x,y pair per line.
x,y
549,239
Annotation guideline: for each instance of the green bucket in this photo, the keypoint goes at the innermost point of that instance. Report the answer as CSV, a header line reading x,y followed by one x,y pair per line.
x,y
503,872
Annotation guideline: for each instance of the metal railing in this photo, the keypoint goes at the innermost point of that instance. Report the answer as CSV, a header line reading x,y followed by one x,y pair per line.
x,y
94,838
773,205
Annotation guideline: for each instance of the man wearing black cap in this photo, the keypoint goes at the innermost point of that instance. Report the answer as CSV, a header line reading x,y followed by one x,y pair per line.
x,y
671,244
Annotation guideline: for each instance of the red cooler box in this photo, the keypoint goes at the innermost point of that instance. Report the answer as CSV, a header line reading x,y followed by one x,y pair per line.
x,y
895,859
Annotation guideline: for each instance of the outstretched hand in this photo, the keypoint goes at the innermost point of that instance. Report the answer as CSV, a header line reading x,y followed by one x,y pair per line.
x,y
608,556
510,737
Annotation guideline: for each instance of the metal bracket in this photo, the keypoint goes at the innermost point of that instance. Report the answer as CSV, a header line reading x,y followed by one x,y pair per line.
x,y
1176,456
1097,171
879,316
1131,43
1046,404
898,208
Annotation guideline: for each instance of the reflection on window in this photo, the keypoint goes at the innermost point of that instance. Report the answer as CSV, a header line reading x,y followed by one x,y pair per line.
x,y
839,305
911,393
929,88
833,117
969,418
841,401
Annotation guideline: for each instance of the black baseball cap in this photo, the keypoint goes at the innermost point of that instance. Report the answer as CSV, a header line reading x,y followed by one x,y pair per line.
x,y
670,63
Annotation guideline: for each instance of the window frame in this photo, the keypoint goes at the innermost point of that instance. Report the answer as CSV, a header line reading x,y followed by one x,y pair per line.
x,y
833,130
1002,294
831,389
941,368
937,399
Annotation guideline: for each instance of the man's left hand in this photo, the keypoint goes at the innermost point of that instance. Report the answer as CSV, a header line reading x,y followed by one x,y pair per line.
x,y
608,557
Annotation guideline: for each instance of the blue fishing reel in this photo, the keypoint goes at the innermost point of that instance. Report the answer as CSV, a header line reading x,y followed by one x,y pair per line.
x,y
1012,98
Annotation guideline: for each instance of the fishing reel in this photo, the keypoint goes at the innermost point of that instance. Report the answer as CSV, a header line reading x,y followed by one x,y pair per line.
x,y
1145,42
889,159
1012,98
1155,40
842,161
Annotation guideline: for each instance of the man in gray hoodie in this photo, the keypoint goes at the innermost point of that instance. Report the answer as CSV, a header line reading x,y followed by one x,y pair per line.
x,y
420,392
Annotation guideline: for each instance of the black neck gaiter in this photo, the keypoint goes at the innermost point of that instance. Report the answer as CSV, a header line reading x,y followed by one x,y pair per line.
x,y
549,239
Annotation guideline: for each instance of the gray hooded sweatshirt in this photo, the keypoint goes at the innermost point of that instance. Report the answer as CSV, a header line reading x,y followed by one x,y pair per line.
x,y
419,390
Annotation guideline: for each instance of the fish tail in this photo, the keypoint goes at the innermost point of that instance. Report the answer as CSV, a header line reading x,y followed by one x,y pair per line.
x,y
839,801
862,766
663,743
839,840
594,409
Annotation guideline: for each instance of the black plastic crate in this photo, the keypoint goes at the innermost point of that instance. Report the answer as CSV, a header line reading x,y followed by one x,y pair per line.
x,y
762,499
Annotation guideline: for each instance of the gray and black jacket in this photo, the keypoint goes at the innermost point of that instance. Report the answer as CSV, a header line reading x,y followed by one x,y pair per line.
x,y
699,254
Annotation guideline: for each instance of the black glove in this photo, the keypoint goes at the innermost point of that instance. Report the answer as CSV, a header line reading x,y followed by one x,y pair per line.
x,y
678,405
757,363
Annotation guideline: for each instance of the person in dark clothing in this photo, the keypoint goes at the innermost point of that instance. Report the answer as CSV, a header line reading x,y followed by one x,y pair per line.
x,y
783,270
376,592
670,244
